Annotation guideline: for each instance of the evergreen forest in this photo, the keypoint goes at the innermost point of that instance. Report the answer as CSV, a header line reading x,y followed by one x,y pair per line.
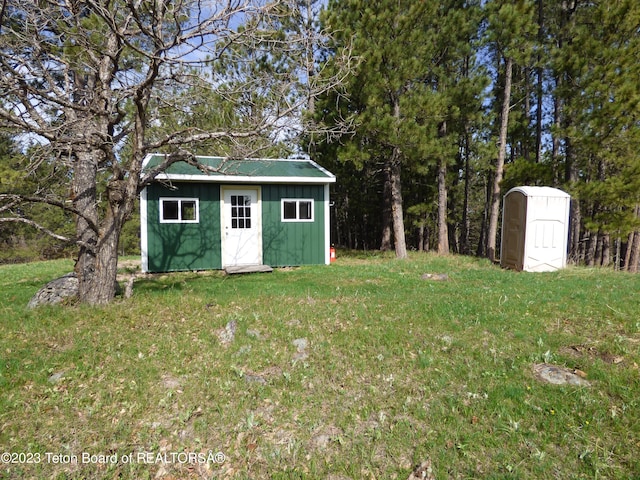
x,y
455,102
441,108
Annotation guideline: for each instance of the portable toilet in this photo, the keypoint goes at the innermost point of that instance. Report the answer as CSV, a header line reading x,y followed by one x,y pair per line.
x,y
535,229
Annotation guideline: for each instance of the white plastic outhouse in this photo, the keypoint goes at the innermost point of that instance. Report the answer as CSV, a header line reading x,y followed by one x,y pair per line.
x,y
535,229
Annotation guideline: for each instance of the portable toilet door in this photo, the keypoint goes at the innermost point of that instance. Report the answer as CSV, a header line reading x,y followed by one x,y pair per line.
x,y
535,229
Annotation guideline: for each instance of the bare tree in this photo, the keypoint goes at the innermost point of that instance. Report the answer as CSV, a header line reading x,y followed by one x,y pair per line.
x,y
87,80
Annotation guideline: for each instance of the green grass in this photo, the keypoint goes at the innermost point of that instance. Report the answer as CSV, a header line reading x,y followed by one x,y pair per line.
x,y
397,370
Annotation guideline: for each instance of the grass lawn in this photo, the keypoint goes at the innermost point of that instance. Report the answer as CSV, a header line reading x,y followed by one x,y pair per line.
x,y
357,370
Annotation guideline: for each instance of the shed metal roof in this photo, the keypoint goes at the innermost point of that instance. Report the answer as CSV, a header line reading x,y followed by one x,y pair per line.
x,y
251,170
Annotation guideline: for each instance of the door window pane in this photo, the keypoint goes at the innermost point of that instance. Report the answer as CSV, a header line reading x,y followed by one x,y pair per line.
x,y
240,211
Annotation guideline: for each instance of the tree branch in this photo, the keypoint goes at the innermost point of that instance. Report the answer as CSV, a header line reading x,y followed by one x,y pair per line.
x,y
170,159
16,199
37,226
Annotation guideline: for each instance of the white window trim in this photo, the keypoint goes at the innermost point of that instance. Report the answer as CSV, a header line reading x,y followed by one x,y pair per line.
x,y
179,200
297,202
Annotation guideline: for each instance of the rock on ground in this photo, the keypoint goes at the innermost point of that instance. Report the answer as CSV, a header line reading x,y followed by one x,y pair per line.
x,y
301,345
56,291
436,277
60,290
228,333
556,375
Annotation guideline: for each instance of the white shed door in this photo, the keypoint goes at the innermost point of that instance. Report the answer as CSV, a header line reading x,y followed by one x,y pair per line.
x,y
241,232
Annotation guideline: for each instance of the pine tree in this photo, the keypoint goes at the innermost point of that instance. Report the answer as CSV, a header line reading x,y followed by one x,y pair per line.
x,y
600,99
403,93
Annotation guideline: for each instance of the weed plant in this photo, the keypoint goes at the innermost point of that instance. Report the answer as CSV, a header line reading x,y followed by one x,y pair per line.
x,y
357,370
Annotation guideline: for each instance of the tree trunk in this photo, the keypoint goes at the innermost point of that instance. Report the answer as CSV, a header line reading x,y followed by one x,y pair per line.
x,y
494,211
387,215
539,83
627,251
443,231
396,205
590,249
605,250
563,123
423,233
575,214
104,281
601,257
465,247
634,256
394,168
634,246
98,234
97,263
597,256
84,198
526,73
481,251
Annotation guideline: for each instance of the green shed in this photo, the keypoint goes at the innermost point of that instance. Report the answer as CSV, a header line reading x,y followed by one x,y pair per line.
x,y
235,213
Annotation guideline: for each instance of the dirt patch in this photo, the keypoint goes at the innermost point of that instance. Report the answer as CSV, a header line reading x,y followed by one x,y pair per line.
x,y
263,377
324,436
171,382
129,264
580,351
128,272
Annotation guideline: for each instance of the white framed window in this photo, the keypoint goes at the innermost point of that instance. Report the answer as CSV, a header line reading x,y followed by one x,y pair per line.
x,y
297,210
179,210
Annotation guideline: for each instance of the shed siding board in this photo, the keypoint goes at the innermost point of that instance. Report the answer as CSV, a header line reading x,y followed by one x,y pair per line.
x,y
184,246
292,243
